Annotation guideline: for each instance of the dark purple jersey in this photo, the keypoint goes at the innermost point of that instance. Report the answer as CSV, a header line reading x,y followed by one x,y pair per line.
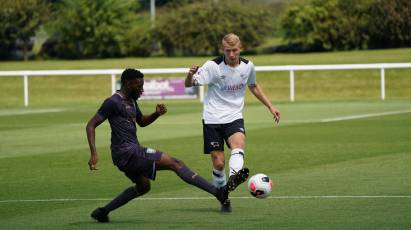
x,y
121,114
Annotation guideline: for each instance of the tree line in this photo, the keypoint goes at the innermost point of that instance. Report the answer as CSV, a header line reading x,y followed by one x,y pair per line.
x,y
348,24
79,29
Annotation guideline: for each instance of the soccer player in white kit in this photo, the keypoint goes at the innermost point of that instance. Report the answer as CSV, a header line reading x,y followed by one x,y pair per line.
x,y
227,77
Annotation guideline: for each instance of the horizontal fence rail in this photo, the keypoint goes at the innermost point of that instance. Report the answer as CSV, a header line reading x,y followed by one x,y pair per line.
x,y
290,68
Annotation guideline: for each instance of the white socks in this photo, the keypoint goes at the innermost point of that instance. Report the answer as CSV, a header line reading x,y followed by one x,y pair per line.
x,y
219,178
236,161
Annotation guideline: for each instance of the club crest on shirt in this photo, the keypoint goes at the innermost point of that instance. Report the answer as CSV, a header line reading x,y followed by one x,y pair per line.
x,y
130,113
195,82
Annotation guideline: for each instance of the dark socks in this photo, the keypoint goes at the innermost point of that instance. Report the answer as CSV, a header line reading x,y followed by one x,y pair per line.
x,y
194,179
184,173
127,195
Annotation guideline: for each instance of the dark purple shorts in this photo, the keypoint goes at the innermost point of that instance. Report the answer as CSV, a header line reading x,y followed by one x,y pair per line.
x,y
142,163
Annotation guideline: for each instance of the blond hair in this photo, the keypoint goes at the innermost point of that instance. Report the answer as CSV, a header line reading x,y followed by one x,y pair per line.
x,y
231,39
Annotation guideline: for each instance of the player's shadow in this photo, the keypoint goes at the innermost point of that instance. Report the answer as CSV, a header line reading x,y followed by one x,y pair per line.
x,y
194,210
86,224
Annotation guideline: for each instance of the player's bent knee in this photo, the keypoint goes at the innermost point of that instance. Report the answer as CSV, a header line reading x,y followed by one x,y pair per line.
x,y
170,163
219,164
218,160
177,164
143,189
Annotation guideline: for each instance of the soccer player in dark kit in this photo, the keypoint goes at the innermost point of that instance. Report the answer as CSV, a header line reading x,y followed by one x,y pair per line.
x,y
138,163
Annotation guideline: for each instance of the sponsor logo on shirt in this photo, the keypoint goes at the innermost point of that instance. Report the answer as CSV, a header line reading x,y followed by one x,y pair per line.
x,y
194,176
150,150
214,144
232,87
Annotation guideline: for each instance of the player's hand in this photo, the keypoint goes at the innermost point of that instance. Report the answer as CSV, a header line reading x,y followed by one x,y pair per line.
x,y
93,162
161,109
276,113
192,70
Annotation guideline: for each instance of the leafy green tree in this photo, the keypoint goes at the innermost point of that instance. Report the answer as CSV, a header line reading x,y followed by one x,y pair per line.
x,y
139,38
197,28
327,25
19,21
390,24
91,29
145,4
348,24
299,26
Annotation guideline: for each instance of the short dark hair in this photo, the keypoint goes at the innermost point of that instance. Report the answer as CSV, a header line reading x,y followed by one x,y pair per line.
x,y
129,74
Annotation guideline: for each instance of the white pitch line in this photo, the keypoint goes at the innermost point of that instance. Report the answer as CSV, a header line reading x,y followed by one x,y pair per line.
x,y
211,198
365,116
30,111
301,121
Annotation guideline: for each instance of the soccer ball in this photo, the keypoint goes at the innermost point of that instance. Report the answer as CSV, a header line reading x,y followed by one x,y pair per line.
x,y
260,185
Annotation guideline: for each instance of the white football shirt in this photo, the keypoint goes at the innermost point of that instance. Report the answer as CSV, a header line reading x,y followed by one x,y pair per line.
x,y
224,101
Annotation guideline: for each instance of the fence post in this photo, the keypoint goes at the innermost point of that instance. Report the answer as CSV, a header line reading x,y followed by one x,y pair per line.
x,y
292,85
382,84
26,90
113,83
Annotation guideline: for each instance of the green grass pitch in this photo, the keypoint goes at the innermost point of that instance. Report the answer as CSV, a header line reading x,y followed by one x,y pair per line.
x,y
340,158
350,173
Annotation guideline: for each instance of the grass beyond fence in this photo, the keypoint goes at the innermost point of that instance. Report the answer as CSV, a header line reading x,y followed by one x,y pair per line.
x,y
310,85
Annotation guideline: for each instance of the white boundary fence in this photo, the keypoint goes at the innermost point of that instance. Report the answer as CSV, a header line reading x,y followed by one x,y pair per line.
x,y
290,68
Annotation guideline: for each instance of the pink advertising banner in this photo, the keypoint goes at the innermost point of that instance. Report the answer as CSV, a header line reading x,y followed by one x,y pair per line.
x,y
172,88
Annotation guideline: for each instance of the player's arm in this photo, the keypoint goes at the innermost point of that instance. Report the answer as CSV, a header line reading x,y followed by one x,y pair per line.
x,y
145,120
260,95
189,79
91,137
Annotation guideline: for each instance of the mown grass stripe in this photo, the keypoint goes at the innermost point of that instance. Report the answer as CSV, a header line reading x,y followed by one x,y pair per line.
x,y
211,198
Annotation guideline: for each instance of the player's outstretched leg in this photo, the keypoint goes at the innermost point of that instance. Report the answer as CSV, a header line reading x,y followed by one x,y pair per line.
x,y
169,163
222,196
194,179
237,179
100,214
